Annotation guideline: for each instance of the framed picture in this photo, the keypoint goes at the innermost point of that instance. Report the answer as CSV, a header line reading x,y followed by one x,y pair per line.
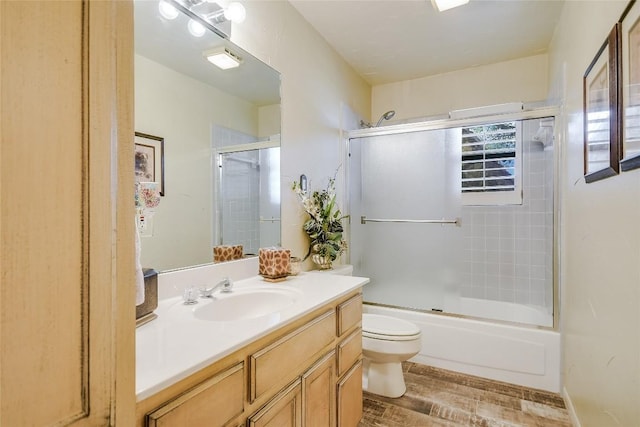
x,y
601,92
630,64
149,159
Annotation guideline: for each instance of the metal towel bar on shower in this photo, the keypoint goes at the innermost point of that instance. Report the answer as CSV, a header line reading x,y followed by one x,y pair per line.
x,y
457,221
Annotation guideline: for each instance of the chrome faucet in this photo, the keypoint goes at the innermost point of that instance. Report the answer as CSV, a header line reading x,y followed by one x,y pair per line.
x,y
226,284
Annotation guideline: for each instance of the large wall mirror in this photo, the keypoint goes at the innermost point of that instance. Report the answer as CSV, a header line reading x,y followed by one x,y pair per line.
x,y
221,132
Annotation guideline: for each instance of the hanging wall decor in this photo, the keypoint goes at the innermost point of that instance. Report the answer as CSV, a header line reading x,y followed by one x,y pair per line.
x,y
630,69
149,159
601,90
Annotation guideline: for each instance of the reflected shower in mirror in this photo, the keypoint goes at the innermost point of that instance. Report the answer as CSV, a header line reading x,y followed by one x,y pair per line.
x,y
203,112
249,197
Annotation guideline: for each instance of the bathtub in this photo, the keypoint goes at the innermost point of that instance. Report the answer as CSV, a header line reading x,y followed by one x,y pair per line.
x,y
499,310
523,355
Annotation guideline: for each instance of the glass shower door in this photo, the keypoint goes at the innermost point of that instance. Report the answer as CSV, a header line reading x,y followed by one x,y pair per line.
x,y
412,176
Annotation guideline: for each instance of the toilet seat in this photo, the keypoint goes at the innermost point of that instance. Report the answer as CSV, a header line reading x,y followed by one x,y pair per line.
x,y
387,328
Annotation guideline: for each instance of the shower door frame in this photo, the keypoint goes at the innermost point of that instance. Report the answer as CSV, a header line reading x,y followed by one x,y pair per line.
x,y
217,216
439,124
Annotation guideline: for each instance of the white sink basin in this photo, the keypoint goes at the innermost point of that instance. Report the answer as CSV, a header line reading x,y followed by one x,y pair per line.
x,y
244,304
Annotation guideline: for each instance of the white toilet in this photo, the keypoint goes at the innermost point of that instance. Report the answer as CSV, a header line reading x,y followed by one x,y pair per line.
x,y
386,343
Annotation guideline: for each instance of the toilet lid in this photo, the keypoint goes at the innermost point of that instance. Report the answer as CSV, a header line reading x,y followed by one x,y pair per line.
x,y
385,326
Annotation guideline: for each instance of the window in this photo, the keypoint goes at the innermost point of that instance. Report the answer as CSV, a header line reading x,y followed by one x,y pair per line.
x,y
491,164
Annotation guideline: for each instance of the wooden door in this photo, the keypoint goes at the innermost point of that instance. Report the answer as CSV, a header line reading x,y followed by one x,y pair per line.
x,y
66,213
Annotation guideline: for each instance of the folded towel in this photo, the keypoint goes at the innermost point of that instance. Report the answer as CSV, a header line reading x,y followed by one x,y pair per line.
x,y
139,274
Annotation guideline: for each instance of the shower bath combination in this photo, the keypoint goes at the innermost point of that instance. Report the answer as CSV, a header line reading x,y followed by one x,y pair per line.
x,y
483,282
386,116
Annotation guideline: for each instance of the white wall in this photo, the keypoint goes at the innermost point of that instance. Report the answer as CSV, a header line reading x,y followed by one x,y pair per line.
x,y
522,79
600,275
318,88
269,121
182,111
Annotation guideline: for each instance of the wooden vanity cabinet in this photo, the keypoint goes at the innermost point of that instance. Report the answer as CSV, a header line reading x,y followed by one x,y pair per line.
x,y
308,373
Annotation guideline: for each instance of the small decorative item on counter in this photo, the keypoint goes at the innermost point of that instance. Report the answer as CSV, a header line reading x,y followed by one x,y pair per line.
x,y
274,263
324,226
295,266
224,253
238,252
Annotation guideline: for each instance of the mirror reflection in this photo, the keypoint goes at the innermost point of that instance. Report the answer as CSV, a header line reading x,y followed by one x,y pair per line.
x,y
221,131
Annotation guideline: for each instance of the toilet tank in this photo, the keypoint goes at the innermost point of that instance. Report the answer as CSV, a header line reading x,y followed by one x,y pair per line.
x,y
341,270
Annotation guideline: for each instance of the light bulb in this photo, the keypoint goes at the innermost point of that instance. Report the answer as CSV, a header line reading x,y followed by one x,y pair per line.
x,y
167,10
235,12
195,28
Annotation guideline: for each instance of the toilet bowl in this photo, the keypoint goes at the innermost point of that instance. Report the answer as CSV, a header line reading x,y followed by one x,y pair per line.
x,y
386,343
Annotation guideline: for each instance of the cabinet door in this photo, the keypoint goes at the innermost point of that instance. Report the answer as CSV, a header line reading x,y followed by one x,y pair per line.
x,y
66,213
350,397
318,393
284,410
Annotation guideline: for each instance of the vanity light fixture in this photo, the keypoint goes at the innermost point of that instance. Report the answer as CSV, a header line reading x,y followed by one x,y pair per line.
x,y
442,5
195,28
205,15
223,58
235,13
167,10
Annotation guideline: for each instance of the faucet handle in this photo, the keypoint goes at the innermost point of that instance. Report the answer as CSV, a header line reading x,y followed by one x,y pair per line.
x,y
227,285
190,295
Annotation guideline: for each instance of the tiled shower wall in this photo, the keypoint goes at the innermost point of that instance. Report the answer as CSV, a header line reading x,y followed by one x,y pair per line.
x,y
509,249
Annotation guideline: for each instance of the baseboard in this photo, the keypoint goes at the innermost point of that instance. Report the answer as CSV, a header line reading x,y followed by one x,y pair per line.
x,y
570,409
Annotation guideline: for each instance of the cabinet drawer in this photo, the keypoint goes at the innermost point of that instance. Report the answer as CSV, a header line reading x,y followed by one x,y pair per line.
x,y
349,314
212,403
279,363
349,351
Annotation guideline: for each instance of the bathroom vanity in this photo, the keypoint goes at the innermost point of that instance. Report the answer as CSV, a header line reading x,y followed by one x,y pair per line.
x,y
297,362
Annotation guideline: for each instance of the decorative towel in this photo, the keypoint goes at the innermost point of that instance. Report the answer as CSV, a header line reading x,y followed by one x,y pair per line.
x,y
139,274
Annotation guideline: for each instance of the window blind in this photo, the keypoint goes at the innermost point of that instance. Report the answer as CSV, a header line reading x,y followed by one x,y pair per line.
x,y
489,157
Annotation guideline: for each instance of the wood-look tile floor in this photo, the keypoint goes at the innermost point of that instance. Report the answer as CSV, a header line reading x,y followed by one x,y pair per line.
x,y
436,397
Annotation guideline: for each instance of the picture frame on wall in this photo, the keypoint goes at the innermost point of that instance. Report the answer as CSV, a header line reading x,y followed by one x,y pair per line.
x,y
149,159
630,68
602,124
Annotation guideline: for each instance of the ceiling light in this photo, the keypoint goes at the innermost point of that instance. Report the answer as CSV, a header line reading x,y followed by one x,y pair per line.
x,y
195,28
167,11
223,58
442,5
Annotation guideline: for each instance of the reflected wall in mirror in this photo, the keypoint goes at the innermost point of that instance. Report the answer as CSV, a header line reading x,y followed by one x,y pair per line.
x,y
204,112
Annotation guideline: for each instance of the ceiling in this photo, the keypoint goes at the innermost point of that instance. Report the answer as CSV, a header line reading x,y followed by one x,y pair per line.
x,y
393,40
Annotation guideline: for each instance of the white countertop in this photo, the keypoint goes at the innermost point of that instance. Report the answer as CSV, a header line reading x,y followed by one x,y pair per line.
x,y
177,344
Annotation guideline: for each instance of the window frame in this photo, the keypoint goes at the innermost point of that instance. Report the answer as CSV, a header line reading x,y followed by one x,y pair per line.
x,y
496,198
